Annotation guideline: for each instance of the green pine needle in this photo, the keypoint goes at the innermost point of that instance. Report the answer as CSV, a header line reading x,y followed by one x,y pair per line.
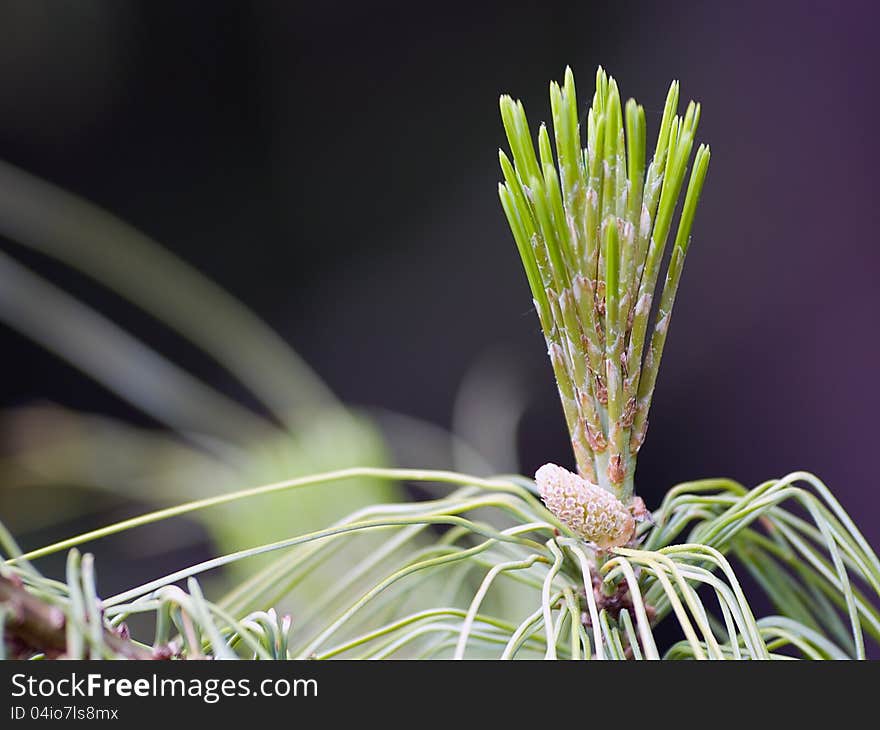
x,y
592,230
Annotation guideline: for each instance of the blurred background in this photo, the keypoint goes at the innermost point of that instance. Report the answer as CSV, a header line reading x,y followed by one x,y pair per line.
x,y
334,168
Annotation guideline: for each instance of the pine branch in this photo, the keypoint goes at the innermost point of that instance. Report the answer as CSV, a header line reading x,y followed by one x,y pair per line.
x,y
591,227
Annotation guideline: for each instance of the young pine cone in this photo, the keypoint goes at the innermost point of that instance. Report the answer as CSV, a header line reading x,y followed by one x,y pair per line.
x,y
588,510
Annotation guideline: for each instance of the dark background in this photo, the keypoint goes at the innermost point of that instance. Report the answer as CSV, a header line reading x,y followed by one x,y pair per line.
x,y
335,167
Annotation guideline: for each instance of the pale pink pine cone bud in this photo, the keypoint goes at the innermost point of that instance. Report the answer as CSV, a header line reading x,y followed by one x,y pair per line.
x,y
588,510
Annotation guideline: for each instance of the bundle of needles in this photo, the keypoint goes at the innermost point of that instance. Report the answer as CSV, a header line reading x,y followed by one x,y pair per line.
x,y
591,225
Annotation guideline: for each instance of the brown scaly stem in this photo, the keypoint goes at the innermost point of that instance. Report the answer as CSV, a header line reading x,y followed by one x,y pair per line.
x,y
33,626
